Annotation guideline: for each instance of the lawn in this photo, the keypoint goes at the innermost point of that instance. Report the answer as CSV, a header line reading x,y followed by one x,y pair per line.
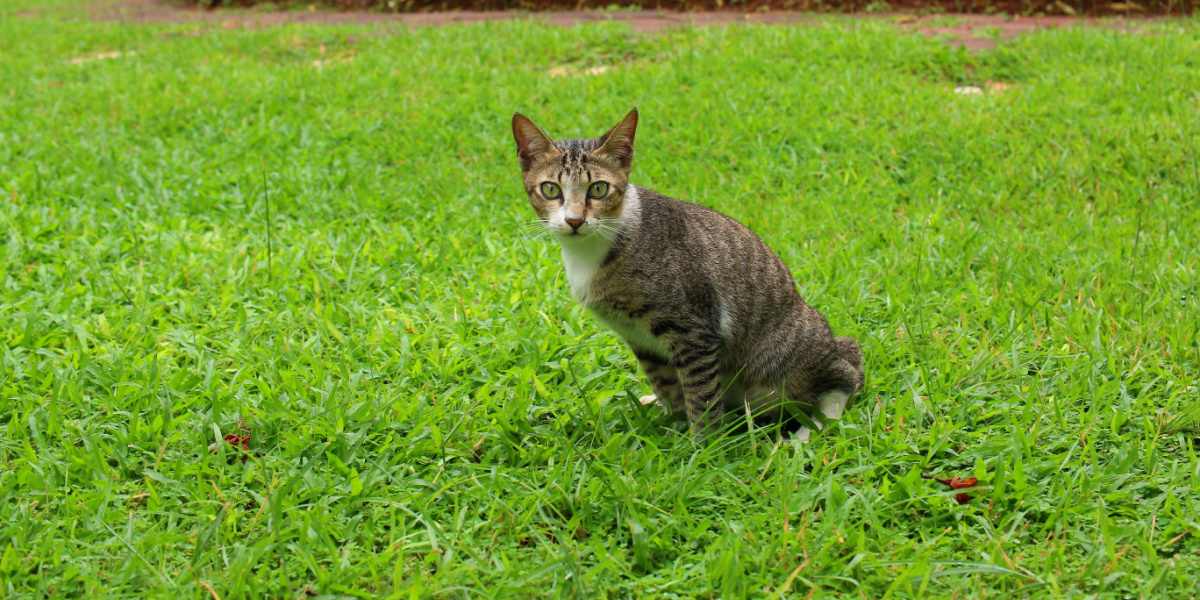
x,y
315,238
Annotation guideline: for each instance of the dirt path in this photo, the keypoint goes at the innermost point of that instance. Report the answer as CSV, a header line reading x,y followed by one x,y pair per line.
x,y
974,32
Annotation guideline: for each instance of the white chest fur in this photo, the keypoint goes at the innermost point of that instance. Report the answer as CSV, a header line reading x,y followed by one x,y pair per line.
x,y
582,259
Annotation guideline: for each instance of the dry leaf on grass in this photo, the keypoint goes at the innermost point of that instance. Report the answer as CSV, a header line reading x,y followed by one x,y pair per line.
x,y
995,87
1126,7
87,58
321,63
567,71
958,483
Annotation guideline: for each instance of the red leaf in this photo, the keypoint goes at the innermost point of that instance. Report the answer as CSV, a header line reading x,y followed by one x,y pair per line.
x,y
956,483
236,440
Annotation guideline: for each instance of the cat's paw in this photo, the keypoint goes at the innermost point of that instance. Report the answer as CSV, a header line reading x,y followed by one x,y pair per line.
x,y
833,403
804,434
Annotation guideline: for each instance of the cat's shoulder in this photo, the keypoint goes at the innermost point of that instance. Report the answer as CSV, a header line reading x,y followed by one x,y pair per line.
x,y
656,201
682,209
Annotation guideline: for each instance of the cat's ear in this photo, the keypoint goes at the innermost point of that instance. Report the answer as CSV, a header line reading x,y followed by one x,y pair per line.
x,y
617,144
531,141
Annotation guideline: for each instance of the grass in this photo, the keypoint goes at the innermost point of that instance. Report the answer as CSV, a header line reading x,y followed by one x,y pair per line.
x,y
213,233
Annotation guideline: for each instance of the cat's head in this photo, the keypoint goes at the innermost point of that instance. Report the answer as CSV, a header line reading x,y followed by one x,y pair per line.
x,y
577,187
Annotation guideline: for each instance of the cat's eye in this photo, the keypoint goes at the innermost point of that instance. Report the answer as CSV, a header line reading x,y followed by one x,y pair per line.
x,y
598,189
551,190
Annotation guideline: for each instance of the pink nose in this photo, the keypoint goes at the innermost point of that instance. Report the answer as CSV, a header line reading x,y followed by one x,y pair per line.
x,y
575,223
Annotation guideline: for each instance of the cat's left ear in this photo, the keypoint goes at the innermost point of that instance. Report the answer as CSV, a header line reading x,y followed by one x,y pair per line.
x,y
617,144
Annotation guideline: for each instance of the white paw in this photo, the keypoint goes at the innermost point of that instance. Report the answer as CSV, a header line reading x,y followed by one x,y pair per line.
x,y
833,404
802,435
648,400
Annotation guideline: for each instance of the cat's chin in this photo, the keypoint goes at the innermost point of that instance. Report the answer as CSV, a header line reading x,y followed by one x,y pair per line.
x,y
574,236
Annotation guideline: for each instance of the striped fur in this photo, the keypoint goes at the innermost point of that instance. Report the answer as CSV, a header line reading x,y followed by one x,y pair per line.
x,y
712,315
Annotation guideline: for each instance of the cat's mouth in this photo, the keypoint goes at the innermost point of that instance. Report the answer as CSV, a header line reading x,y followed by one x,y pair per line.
x,y
581,232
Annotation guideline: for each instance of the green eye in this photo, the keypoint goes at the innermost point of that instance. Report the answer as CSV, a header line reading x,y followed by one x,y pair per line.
x,y
598,189
551,190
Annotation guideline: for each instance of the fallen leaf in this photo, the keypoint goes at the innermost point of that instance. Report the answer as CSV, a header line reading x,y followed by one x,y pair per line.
x,y
956,483
87,58
238,440
209,588
321,63
1126,7
567,71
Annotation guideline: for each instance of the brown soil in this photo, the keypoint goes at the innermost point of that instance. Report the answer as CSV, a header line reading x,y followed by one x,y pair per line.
x,y
984,7
974,32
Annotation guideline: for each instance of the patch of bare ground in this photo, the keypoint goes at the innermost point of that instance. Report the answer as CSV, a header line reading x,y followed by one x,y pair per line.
x,y
972,31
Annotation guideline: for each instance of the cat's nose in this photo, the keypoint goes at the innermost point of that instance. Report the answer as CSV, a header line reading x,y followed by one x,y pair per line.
x,y
575,223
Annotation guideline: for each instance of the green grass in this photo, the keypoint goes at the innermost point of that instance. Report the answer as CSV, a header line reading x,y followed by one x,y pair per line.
x,y
209,234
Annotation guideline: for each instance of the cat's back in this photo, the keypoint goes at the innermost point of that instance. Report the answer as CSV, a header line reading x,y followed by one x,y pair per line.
x,y
711,237
711,257
670,220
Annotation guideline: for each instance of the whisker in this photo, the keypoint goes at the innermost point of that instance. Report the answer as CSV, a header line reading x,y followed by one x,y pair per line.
x,y
607,228
533,229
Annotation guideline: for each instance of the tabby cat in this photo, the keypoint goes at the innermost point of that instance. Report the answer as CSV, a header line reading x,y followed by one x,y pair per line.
x,y
711,313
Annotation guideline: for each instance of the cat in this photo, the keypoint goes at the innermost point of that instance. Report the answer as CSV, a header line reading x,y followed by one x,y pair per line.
x,y
711,313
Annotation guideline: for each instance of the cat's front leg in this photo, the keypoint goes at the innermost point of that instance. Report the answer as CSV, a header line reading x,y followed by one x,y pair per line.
x,y
663,380
696,358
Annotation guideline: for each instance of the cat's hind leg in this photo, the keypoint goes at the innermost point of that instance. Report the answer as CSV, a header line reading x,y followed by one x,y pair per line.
x,y
851,367
824,394
841,379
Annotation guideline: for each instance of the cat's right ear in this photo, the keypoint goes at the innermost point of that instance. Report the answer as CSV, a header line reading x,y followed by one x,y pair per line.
x,y
531,141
